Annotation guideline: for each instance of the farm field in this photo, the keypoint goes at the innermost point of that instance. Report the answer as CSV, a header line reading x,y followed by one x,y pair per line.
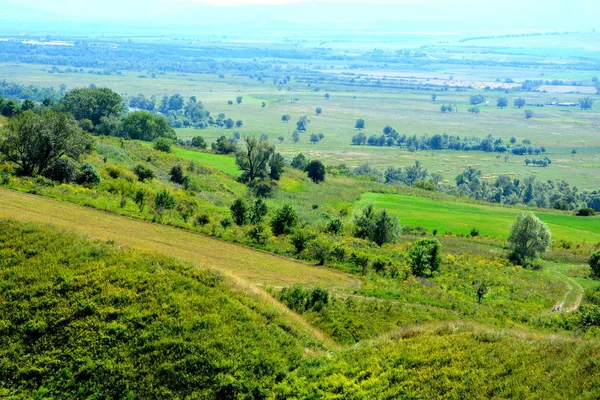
x,y
490,220
411,112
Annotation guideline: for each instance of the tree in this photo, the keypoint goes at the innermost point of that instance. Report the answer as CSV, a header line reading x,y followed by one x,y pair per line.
x,y
88,175
239,123
143,173
35,141
377,227
360,124
385,229
276,165
258,211
285,118
594,262
528,114
502,102
520,102
586,103
296,136
314,138
476,99
239,212
92,104
163,201
473,110
199,142
176,174
27,105
433,97
9,108
315,171
163,144
175,102
140,198
224,146
239,99
284,221
425,257
318,110
143,125
228,123
302,123
528,237
299,162
327,96
254,159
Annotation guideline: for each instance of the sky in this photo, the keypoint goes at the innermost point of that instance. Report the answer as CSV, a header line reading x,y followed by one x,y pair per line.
x,y
424,15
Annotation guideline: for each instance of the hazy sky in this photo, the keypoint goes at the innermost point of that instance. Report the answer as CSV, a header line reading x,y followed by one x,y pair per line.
x,y
425,15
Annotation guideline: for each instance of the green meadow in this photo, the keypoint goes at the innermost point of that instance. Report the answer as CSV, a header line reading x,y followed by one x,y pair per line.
x,y
490,220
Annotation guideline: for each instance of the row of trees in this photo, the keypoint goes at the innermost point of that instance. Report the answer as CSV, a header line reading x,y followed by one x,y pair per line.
x,y
391,137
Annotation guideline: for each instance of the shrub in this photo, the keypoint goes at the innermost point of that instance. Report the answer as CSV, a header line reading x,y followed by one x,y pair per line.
x,y
226,222
143,173
263,188
258,233
585,212
335,226
300,240
474,232
88,175
319,250
594,262
202,219
63,170
425,257
199,142
284,221
315,171
163,201
176,174
163,145
239,211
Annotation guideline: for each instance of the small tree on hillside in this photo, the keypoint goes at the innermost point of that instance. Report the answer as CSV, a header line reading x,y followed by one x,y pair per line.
x,y
254,159
284,221
385,229
520,102
239,99
315,171
35,141
528,114
502,102
586,103
239,212
425,257
258,211
594,262
528,237
360,124
318,110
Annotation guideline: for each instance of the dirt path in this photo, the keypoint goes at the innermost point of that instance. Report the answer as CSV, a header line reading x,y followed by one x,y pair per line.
x,y
248,268
572,286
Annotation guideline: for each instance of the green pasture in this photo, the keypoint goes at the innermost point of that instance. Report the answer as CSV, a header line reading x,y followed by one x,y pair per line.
x,y
489,220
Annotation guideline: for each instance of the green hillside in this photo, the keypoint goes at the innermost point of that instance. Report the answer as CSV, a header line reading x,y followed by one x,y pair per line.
x,y
89,319
460,218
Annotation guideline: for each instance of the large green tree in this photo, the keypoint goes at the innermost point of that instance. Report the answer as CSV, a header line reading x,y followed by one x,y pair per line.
x,y
92,104
253,159
528,237
35,141
143,125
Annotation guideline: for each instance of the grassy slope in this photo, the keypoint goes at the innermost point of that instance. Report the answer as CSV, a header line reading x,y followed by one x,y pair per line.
x,y
258,267
490,220
82,319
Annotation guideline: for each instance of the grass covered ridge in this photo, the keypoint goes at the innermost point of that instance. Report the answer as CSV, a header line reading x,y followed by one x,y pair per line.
x,y
88,319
